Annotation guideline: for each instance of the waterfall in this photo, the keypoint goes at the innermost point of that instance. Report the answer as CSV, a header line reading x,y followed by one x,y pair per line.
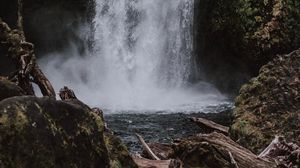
x,y
145,42
142,59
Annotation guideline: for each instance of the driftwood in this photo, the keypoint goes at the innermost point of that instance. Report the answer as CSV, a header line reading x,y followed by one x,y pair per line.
x,y
283,153
147,148
163,151
147,163
156,162
22,53
218,150
233,162
210,126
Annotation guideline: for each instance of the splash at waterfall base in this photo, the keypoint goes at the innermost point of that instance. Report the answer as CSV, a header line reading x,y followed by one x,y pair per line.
x,y
141,60
74,131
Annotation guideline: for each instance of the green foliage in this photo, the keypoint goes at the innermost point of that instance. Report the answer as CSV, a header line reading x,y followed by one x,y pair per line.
x,y
247,20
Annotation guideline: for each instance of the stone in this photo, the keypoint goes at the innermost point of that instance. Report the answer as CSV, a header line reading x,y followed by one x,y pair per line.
x,y
43,132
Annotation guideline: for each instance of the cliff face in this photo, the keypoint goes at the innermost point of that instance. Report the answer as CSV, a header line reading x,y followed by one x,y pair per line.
x,y
233,39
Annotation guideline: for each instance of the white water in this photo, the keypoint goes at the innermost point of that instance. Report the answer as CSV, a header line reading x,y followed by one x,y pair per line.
x,y
142,59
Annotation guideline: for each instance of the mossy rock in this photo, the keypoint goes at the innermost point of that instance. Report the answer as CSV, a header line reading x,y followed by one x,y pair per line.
x,y
118,153
41,132
9,89
269,104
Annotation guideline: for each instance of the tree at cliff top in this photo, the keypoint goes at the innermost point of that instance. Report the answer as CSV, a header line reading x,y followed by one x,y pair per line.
x,y
269,27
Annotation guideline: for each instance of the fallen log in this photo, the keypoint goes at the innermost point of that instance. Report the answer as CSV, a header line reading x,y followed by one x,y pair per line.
x,y
233,162
147,163
147,148
217,150
156,162
283,153
163,151
210,126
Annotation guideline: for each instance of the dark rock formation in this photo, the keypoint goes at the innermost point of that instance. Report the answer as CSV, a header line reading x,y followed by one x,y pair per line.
x,y
269,104
9,89
233,39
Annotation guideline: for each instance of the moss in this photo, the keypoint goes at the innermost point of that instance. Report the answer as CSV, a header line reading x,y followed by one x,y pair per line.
x,y
41,132
9,89
268,104
118,153
246,34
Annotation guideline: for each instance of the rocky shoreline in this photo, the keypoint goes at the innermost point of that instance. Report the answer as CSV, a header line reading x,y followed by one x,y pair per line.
x,y
262,132
43,132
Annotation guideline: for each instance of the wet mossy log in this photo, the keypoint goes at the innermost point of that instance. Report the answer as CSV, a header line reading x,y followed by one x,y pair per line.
x,y
210,126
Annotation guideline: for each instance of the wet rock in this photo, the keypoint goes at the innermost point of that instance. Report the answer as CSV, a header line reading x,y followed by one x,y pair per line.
x,y
118,153
9,89
42,132
269,104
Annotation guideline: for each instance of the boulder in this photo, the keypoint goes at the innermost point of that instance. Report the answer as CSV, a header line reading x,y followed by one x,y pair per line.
x,y
269,104
42,132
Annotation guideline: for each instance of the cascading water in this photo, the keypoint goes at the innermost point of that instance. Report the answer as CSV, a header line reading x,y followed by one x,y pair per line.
x,y
142,59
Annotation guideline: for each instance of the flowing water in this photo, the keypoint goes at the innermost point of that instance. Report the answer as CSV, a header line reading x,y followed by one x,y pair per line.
x,y
141,62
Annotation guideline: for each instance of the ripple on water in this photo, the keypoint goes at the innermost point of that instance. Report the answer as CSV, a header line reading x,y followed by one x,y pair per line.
x,y
162,126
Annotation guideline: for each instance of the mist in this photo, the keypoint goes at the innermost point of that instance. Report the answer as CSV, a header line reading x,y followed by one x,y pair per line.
x,y
141,61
